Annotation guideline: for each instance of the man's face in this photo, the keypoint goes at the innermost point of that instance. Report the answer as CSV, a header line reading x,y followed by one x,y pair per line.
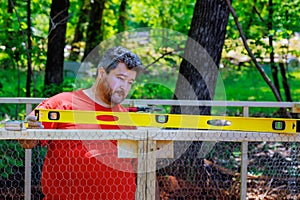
x,y
114,87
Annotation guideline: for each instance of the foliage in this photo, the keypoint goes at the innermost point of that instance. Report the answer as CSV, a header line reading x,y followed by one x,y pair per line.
x,y
250,85
245,84
175,15
152,91
10,89
255,18
269,30
66,86
153,88
11,157
13,37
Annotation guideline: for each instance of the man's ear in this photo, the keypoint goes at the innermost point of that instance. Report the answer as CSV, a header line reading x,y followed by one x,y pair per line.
x,y
101,72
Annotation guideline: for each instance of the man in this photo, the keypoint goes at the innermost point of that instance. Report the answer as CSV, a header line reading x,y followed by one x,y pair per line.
x,y
90,169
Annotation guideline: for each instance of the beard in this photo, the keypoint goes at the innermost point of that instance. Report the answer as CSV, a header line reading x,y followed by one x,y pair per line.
x,y
117,96
108,95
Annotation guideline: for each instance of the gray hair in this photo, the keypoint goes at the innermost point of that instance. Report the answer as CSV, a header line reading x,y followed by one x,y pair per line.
x,y
115,55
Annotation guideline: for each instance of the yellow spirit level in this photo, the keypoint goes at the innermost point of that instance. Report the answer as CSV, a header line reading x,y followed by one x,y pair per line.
x,y
251,124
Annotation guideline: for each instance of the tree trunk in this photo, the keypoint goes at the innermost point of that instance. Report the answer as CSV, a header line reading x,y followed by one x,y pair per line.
x,y
29,47
56,45
274,68
94,33
79,30
285,83
122,17
10,6
198,75
199,70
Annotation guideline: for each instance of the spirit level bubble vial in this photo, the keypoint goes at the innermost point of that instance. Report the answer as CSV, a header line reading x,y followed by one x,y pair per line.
x,y
278,125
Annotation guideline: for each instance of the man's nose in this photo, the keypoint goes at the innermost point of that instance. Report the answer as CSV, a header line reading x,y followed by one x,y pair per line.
x,y
126,85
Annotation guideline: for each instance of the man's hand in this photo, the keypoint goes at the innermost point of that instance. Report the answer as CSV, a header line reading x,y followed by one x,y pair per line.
x,y
32,123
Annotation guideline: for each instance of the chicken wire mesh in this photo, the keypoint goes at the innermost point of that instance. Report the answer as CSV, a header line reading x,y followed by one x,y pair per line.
x,y
272,172
12,170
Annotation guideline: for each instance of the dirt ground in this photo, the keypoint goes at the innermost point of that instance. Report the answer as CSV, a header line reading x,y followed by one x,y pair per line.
x,y
258,188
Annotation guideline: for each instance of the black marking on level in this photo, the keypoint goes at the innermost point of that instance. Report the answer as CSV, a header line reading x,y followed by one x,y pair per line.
x,y
37,114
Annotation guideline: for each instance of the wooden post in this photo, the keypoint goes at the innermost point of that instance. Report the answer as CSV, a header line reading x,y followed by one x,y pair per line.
x,y
146,177
244,162
28,157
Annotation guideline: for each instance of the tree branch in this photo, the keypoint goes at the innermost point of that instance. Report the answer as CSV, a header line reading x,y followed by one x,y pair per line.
x,y
161,57
258,14
257,65
63,21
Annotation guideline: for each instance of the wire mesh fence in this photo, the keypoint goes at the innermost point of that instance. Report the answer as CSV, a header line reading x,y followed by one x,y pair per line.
x,y
272,172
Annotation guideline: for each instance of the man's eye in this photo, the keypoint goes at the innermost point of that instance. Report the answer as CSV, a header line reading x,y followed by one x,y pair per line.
x,y
121,78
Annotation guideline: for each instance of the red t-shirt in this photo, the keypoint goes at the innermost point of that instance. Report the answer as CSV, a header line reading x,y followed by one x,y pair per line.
x,y
84,169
